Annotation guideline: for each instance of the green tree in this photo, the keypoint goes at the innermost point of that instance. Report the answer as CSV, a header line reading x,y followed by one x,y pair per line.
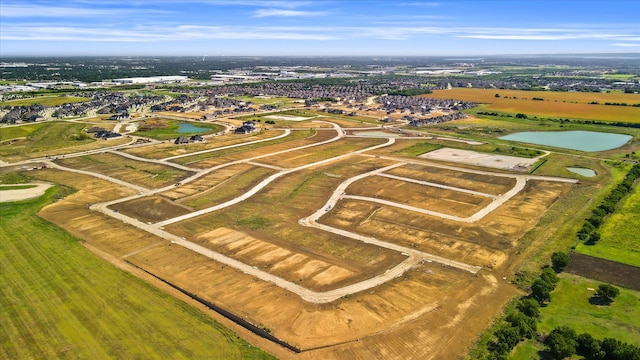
x,y
541,291
525,325
559,261
561,342
605,294
594,237
549,275
589,347
529,307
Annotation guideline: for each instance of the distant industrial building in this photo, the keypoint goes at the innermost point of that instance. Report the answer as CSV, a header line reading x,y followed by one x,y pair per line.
x,y
152,80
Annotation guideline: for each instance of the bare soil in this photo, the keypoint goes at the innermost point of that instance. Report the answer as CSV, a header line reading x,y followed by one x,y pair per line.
x,y
136,172
604,270
151,209
432,311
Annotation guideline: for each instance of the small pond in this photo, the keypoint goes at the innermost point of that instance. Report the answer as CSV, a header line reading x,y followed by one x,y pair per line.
x,y
576,140
190,128
582,171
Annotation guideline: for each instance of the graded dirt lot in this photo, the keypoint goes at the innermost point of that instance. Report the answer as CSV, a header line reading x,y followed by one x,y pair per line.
x,y
486,243
466,180
169,149
426,307
417,309
480,159
424,197
150,209
297,138
135,172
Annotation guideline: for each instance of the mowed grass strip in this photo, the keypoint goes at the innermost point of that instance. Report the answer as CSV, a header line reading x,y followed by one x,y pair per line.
x,y
572,105
570,306
58,301
619,234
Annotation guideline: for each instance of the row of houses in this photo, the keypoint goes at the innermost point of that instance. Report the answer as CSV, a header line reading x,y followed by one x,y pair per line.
x,y
188,140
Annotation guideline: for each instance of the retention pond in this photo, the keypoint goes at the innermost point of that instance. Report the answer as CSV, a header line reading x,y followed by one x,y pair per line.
x,y
576,140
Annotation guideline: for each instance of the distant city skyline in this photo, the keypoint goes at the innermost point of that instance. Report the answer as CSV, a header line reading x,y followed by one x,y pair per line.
x,y
316,28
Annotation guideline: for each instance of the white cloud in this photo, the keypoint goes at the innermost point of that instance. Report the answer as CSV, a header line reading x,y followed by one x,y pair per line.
x,y
287,13
625,45
35,10
154,34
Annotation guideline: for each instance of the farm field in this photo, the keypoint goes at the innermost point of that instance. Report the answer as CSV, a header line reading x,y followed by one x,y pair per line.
x,y
619,234
554,104
60,301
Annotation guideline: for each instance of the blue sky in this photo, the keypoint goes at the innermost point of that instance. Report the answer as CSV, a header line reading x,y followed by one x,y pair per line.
x,y
317,27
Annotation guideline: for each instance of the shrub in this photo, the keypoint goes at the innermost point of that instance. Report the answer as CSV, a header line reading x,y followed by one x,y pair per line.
x,y
559,261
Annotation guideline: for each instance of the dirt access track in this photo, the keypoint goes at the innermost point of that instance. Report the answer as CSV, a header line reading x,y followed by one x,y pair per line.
x,y
339,253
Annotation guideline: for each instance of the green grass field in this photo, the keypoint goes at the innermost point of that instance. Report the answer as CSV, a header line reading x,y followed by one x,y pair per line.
x,y
619,234
42,137
44,101
15,132
570,306
170,131
59,301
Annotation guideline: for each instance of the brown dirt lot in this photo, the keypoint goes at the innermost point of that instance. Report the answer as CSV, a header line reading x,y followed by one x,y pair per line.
x,y
604,270
228,189
241,153
488,184
433,311
168,148
317,153
72,214
132,171
151,209
486,243
421,196
408,317
207,182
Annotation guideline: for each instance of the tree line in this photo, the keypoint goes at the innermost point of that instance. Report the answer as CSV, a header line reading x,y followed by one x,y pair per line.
x,y
588,233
